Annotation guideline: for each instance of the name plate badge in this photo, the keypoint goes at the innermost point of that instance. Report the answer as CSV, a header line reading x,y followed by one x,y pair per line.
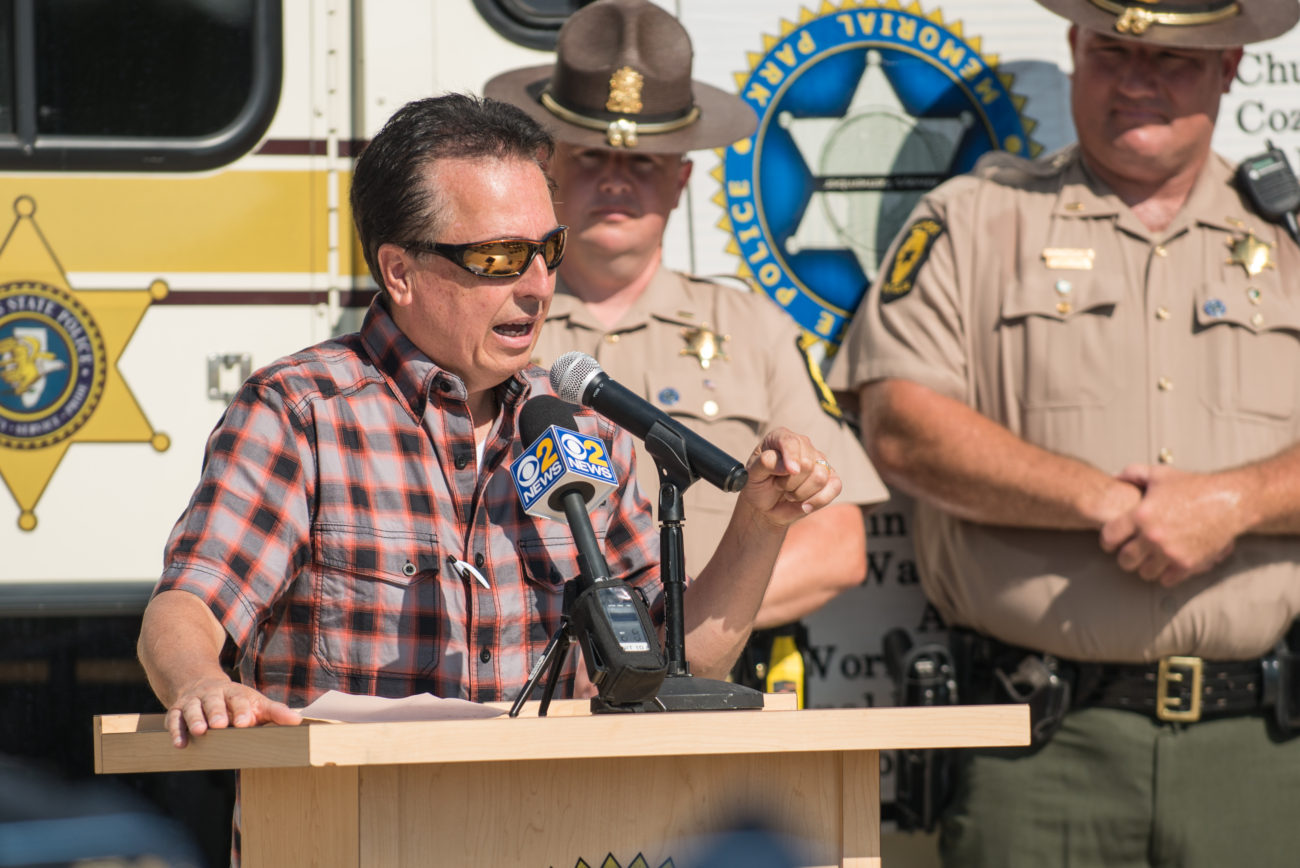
x,y
1079,258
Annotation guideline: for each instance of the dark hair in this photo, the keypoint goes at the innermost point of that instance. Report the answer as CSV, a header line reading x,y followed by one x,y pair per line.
x,y
391,202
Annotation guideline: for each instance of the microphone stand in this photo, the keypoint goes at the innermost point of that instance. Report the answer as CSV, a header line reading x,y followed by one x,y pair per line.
x,y
550,664
679,690
610,623
682,691
596,619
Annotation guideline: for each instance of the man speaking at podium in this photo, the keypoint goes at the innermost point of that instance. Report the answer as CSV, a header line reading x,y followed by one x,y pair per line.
x,y
356,527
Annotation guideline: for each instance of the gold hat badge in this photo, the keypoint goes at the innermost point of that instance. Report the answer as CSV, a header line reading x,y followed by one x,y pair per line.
x,y
624,98
625,91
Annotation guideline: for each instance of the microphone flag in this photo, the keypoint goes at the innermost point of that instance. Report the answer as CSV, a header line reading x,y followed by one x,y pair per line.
x,y
561,460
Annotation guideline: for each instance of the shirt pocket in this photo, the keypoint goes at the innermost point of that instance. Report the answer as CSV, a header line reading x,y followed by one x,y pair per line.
x,y
731,416
376,608
1248,353
549,563
1061,349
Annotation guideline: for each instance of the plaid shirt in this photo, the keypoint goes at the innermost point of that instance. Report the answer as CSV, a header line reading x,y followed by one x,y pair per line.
x,y
338,492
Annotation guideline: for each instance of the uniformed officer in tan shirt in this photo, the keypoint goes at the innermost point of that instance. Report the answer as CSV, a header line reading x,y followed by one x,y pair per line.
x,y
1086,368
722,360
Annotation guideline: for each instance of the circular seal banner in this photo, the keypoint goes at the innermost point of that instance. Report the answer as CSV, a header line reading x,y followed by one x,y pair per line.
x,y
862,109
52,365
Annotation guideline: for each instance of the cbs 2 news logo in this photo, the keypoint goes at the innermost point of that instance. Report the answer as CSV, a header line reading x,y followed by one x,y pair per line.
x,y
557,459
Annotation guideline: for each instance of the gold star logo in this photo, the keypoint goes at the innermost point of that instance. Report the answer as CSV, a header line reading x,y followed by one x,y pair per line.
x,y
705,344
1251,253
59,349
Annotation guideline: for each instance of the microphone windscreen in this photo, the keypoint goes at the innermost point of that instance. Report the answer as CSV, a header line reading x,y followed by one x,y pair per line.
x,y
541,412
571,373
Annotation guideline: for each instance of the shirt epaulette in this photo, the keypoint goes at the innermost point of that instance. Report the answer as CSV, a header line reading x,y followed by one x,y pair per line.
x,y
1015,170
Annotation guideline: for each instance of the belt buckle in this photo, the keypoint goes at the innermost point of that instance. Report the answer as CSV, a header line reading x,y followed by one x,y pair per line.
x,y
1176,669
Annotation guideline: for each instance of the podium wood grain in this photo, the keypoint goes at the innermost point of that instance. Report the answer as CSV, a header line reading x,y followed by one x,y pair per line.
x,y
550,791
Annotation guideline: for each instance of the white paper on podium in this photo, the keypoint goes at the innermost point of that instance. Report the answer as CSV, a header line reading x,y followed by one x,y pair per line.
x,y
336,707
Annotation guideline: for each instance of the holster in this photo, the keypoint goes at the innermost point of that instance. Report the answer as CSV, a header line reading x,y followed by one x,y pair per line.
x,y
991,673
923,675
762,666
1282,682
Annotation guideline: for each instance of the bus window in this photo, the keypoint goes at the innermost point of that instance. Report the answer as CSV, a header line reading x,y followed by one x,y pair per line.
x,y
6,70
171,85
532,23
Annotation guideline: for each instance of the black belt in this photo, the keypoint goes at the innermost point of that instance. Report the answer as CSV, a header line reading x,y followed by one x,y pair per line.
x,y
1180,689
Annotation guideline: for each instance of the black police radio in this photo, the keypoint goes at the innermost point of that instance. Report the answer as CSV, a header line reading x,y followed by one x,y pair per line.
x,y
1271,186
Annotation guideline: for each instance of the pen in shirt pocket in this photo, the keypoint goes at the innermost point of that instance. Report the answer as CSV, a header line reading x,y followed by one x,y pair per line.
x,y
466,569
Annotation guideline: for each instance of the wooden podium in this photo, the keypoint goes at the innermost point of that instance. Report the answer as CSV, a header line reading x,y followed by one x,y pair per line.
x,y
561,791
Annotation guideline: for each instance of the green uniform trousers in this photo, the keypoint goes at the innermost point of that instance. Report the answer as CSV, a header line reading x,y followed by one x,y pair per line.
x,y
1119,789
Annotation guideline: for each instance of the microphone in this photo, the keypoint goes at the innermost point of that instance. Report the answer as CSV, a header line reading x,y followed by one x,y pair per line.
x,y
577,378
562,476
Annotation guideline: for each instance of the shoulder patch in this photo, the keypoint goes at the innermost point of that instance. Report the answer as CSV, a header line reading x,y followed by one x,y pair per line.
x,y
825,396
900,274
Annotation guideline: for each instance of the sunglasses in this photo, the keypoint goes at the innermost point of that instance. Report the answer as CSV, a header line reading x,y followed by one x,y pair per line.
x,y
504,257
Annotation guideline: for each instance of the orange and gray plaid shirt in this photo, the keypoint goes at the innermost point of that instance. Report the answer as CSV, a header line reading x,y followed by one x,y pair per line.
x,y
339,492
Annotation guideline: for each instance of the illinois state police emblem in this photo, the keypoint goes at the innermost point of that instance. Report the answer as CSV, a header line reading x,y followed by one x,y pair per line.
x,y
59,353
52,365
862,108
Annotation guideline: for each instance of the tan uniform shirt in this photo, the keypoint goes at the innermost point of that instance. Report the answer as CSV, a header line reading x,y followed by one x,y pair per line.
x,y
1035,296
763,382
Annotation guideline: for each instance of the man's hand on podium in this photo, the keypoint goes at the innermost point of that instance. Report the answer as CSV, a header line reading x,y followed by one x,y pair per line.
x,y
217,702
180,649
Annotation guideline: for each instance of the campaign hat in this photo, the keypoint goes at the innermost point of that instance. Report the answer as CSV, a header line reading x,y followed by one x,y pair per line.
x,y
622,79
1209,24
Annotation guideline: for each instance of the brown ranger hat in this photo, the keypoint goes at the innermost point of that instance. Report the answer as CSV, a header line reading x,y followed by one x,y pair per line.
x,y
622,79
1212,24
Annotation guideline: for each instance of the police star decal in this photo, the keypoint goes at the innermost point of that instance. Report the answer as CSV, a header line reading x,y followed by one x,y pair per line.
x,y
59,349
862,107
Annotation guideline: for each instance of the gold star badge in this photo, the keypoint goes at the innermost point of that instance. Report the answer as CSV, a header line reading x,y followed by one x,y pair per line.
x,y
705,344
59,349
1251,253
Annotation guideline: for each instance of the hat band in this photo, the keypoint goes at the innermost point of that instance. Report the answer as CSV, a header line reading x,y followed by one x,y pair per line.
x,y
621,132
1135,20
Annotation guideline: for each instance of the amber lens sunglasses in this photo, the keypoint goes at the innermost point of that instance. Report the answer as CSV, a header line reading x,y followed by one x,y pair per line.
x,y
504,257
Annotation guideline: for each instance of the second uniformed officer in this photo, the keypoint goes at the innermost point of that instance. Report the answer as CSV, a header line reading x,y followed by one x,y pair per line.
x,y
1084,367
621,103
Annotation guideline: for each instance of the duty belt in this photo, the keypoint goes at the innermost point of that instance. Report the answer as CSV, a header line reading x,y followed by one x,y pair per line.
x,y
1177,688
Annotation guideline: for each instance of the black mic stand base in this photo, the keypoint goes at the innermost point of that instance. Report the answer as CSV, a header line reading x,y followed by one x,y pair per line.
x,y
688,693
550,663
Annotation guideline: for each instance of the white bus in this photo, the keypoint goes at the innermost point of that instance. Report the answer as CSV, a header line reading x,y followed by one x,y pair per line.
x,y
173,215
